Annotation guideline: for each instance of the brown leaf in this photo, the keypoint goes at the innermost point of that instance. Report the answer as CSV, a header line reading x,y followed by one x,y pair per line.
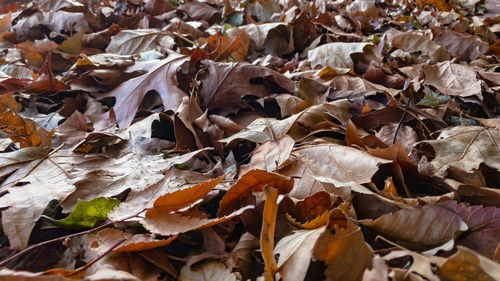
x,y
467,265
413,41
227,83
161,78
463,148
339,164
453,79
343,249
199,11
130,42
460,45
273,38
252,181
270,155
24,131
221,47
295,253
427,225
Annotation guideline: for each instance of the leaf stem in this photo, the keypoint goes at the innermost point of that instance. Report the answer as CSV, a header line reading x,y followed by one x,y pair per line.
x,y
21,253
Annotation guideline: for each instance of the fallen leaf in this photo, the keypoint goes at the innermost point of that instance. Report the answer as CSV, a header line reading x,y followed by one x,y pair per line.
x,y
88,213
270,155
227,83
427,225
138,242
338,164
413,41
161,78
208,270
336,55
460,45
463,148
252,181
453,79
342,247
267,233
295,253
176,200
130,42
159,222
466,265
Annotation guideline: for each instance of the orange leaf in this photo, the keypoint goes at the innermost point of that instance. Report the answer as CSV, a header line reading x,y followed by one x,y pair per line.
x,y
24,130
138,242
185,197
254,180
267,233
165,223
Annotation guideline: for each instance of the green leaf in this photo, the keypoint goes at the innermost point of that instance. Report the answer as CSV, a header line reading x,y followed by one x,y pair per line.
x,y
88,213
432,98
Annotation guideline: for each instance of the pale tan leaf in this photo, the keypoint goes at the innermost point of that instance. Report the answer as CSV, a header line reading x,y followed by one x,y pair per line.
x,y
464,148
295,253
465,264
413,41
208,271
453,79
134,41
335,55
140,199
270,155
338,164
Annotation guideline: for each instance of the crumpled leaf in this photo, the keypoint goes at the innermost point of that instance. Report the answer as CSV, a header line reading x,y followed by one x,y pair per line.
x,y
88,213
134,41
137,242
271,154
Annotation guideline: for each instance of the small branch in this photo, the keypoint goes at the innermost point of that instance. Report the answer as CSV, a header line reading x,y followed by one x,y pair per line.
x,y
21,253
401,121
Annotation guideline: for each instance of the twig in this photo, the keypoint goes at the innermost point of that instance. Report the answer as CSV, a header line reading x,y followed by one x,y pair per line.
x,y
21,253
401,121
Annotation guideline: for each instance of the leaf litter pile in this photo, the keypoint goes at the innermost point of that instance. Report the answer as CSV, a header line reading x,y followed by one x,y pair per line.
x,y
237,140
